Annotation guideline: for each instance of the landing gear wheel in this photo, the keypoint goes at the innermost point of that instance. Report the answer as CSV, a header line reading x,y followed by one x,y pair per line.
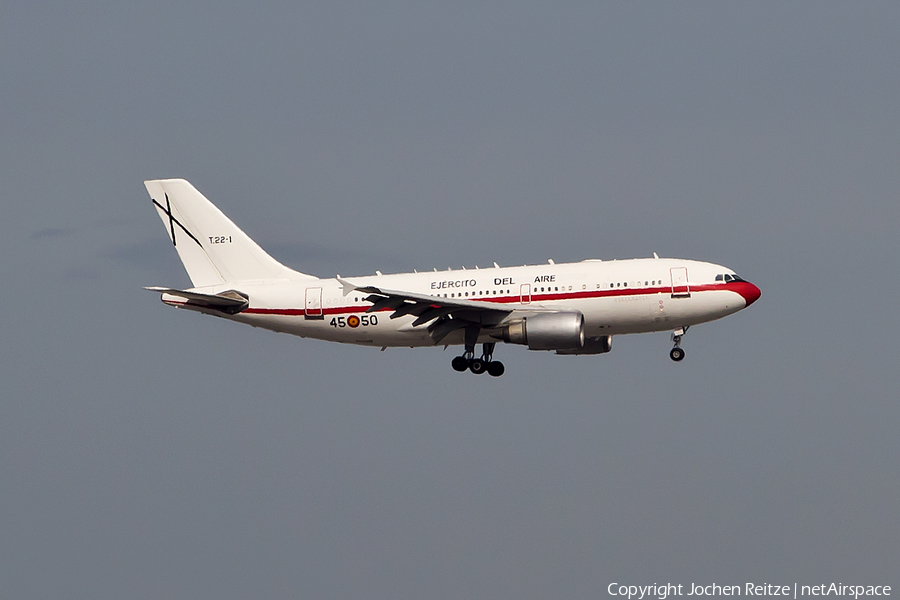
x,y
459,364
478,366
677,354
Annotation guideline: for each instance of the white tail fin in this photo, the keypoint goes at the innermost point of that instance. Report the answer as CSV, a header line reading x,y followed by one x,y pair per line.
x,y
212,248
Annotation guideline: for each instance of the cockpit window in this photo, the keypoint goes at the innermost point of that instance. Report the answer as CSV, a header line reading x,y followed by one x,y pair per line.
x,y
728,278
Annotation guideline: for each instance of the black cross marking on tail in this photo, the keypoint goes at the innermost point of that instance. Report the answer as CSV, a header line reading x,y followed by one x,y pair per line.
x,y
173,221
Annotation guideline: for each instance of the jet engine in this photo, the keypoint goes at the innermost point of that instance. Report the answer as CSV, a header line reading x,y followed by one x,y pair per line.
x,y
550,331
592,345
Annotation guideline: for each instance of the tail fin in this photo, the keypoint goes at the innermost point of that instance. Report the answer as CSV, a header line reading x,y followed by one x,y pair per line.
x,y
212,248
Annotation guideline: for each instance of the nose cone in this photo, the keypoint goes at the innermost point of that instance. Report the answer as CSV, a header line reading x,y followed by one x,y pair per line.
x,y
748,291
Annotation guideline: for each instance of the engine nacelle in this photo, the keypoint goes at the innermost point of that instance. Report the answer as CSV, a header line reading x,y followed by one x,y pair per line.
x,y
592,345
551,331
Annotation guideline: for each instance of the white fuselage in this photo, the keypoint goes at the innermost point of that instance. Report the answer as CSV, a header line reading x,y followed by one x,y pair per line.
x,y
616,297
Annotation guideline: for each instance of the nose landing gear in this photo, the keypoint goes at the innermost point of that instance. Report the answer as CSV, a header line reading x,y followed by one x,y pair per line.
x,y
677,354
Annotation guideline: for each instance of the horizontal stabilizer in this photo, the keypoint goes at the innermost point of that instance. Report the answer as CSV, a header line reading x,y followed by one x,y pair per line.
x,y
231,302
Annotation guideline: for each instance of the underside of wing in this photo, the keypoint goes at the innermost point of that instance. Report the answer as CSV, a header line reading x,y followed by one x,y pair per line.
x,y
442,316
537,327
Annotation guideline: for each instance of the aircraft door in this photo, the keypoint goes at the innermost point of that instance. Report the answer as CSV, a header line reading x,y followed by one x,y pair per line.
x,y
681,288
525,293
313,303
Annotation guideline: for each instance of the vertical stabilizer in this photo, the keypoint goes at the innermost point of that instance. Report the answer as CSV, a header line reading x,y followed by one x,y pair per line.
x,y
212,248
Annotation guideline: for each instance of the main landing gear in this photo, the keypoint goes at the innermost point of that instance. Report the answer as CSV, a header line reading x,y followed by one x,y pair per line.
x,y
677,354
477,365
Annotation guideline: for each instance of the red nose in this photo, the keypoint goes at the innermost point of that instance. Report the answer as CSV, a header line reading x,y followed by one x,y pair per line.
x,y
750,292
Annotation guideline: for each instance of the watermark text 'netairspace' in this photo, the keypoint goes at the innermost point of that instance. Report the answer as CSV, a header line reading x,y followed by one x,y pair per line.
x,y
795,591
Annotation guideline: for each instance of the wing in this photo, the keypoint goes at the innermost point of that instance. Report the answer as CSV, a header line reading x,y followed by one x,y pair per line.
x,y
443,315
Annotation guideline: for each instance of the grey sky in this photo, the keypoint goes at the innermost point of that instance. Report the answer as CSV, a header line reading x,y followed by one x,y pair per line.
x,y
150,453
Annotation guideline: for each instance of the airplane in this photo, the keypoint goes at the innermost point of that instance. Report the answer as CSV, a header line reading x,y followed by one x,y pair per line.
x,y
572,308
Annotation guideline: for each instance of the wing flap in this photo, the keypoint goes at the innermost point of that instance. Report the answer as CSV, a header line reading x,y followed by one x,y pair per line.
x,y
382,302
444,327
431,314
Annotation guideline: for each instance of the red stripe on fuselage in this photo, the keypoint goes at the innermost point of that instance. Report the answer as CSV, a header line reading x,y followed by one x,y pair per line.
x,y
747,290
